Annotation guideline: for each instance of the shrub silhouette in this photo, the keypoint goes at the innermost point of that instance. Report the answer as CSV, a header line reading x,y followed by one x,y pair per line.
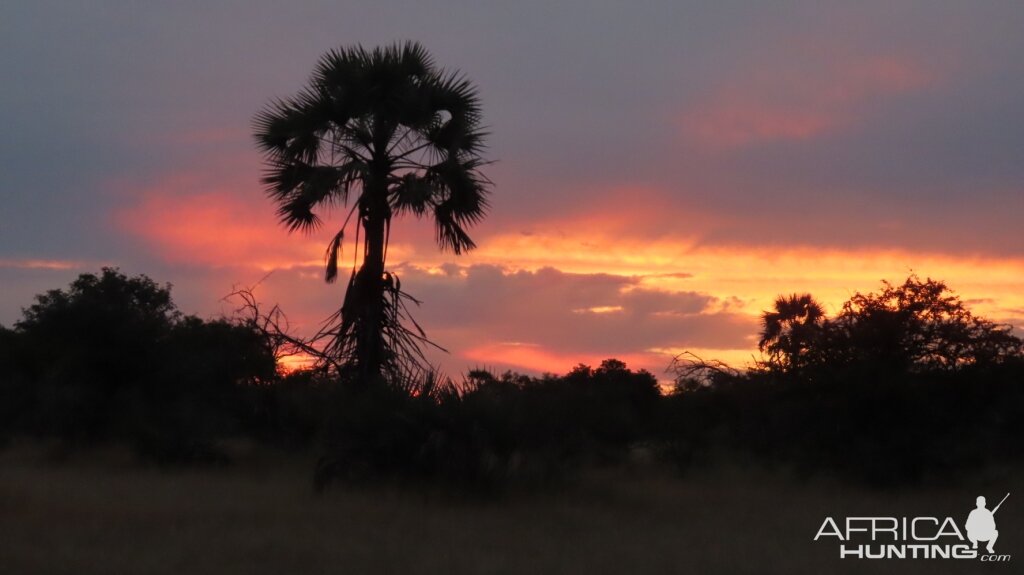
x,y
915,327
16,392
900,385
491,430
89,344
111,358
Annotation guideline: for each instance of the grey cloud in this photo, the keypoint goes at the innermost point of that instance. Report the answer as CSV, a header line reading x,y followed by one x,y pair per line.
x,y
552,308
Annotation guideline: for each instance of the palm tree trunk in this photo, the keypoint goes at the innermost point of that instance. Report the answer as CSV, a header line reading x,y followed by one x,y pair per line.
x,y
371,349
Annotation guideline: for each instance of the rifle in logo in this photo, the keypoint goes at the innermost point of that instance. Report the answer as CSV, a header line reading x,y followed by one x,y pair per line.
x,y
981,524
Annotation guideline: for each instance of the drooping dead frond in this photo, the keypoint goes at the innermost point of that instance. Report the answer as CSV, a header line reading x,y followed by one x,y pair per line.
x,y
691,372
274,326
333,349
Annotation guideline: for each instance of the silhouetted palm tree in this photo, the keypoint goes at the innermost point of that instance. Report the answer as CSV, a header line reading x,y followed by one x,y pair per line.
x,y
389,133
789,331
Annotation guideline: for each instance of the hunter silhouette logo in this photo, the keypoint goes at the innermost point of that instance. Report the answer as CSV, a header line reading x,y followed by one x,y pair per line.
x,y
916,537
981,524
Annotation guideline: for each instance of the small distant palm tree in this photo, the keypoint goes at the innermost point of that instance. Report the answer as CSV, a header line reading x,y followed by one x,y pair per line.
x,y
790,330
388,133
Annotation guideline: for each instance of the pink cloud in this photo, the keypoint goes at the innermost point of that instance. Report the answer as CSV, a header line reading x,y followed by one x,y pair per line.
x,y
801,99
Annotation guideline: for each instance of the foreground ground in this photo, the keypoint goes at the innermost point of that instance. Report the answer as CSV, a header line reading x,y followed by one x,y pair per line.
x,y
106,514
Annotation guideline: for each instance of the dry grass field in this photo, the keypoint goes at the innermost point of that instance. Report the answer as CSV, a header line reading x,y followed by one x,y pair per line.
x,y
103,513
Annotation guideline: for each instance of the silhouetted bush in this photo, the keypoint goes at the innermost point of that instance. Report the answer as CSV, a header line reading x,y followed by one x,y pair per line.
x,y
491,430
918,326
899,386
111,358
16,393
883,430
289,412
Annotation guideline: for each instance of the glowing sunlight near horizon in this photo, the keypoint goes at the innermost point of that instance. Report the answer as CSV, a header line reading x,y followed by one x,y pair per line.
x,y
227,236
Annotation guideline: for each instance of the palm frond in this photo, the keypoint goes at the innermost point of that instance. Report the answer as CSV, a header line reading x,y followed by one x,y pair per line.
x,y
449,233
294,128
412,193
299,187
467,190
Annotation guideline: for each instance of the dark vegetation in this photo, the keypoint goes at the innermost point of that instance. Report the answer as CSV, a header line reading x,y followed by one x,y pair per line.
x,y
900,385
111,358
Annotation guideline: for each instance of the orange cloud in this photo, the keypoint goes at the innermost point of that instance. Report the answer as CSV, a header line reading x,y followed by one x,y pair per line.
x,y
755,275
40,264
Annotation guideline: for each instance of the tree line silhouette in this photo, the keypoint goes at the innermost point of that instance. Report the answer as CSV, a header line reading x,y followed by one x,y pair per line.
x,y
898,386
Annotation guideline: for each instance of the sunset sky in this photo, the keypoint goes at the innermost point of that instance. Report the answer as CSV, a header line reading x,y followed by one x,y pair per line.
x,y
663,169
